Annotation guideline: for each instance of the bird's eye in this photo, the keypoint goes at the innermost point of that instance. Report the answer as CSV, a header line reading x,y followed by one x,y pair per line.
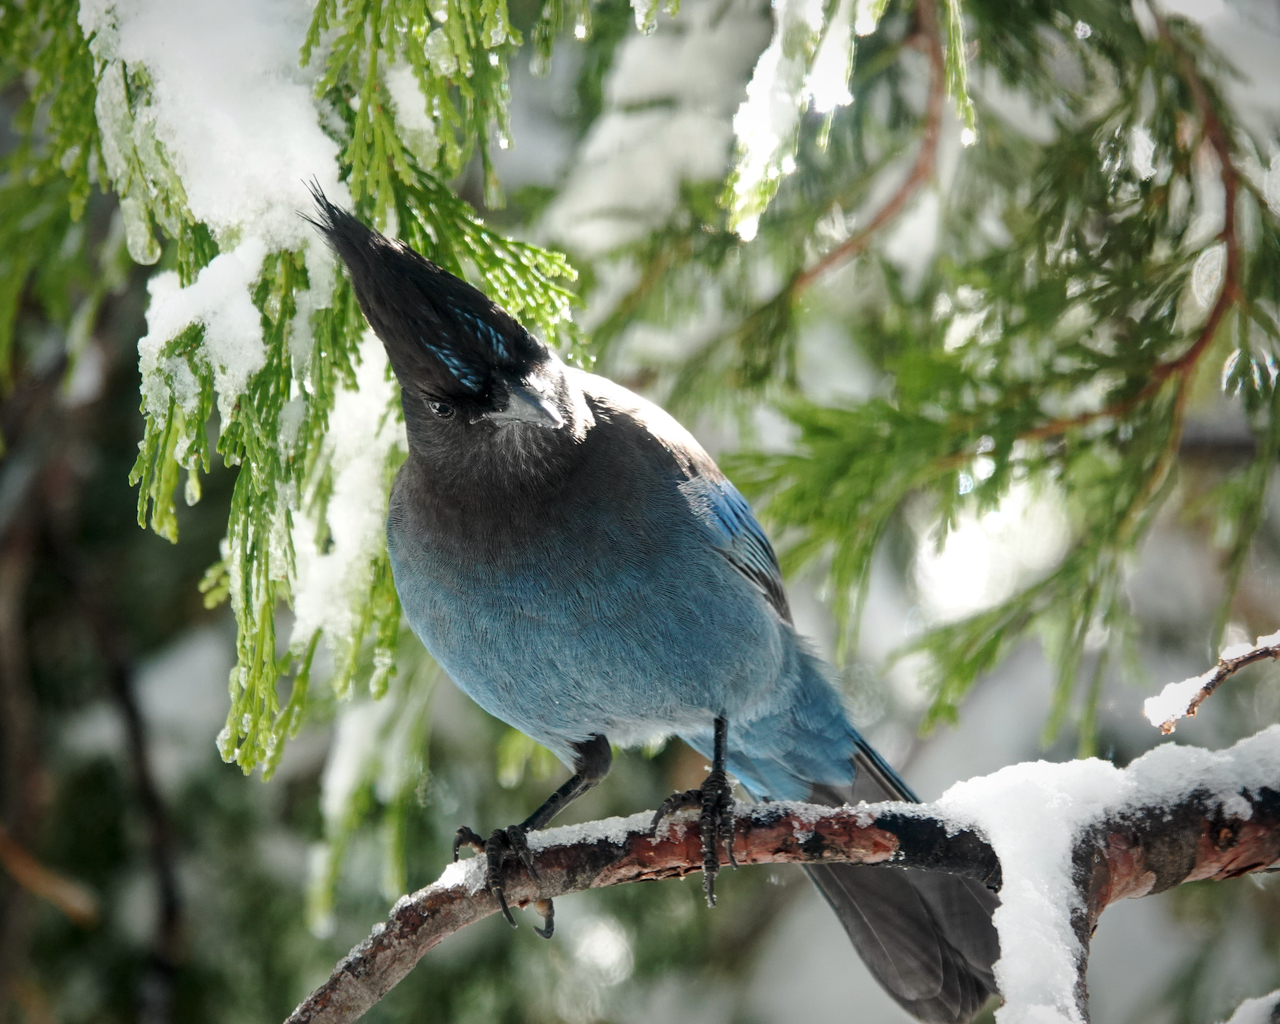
x,y
443,410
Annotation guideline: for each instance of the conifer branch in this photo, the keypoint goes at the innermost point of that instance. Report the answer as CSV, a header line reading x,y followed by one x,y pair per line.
x,y
1216,136
1130,851
921,171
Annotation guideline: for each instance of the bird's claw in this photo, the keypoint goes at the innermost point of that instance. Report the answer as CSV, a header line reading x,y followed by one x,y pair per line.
x,y
502,846
465,837
548,911
715,823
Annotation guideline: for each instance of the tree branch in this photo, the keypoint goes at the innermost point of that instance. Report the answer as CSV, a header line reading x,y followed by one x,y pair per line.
x,y
1124,851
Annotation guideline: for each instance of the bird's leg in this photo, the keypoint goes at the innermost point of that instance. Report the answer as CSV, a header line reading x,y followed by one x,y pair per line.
x,y
511,843
716,822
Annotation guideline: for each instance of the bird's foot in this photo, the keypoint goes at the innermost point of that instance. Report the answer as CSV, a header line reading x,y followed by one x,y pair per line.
x,y
715,823
504,847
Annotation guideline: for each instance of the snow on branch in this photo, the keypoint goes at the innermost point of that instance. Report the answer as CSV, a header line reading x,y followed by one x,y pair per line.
x,y
1183,699
1263,1010
1059,841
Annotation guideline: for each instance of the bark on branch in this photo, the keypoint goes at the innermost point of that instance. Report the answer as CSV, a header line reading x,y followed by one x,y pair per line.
x,y
1135,852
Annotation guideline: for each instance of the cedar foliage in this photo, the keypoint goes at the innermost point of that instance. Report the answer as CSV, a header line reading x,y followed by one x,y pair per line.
x,y
1100,268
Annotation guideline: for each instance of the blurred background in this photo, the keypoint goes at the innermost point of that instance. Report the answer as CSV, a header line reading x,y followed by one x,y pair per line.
x,y
142,878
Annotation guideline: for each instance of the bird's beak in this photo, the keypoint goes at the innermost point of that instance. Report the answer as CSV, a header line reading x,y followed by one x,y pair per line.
x,y
527,405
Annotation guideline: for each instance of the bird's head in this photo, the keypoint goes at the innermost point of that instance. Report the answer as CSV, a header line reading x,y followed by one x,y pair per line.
x,y
464,363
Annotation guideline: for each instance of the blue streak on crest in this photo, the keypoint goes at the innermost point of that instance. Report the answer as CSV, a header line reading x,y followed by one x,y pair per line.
x,y
464,374
496,341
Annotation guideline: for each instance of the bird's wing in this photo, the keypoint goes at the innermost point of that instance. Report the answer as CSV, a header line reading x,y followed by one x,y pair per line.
x,y
730,525
736,535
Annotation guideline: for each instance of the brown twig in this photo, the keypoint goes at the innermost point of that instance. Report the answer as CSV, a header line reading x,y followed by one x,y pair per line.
x,y
1143,850
68,895
1215,677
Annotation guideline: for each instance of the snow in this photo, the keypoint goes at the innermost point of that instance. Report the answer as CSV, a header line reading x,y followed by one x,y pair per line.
x,y
228,103
668,103
1031,814
227,121
357,737
766,123
1257,1011
417,129
1174,701
361,435
468,873
609,830
828,82
218,299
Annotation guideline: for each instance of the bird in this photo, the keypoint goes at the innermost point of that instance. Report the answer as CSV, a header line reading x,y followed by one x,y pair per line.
x,y
575,560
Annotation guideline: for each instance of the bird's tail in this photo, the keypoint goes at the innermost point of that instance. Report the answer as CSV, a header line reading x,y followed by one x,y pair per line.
x,y
926,936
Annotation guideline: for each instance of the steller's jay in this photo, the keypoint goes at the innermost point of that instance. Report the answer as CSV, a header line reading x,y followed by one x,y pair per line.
x,y
583,570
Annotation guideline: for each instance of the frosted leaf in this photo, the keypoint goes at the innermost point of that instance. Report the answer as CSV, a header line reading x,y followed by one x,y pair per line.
x,y
868,16
111,108
1142,150
138,235
646,14
1206,275
360,437
416,128
219,299
767,121
1271,185
229,113
439,53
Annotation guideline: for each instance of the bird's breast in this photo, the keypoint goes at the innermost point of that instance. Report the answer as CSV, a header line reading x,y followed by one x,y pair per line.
x,y
599,615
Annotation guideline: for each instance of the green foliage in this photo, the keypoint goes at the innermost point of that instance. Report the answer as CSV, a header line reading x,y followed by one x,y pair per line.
x,y
275,429
42,42
1054,341
458,54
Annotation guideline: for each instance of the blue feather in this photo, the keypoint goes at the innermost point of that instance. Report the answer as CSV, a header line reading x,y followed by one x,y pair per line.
x,y
738,536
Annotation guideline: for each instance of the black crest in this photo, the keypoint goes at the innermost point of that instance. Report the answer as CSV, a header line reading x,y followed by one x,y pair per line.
x,y
441,334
